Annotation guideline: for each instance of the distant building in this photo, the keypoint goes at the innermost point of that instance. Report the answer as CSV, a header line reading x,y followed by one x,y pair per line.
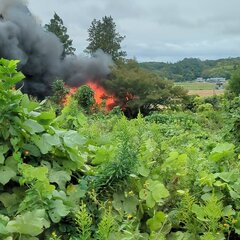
x,y
200,79
216,80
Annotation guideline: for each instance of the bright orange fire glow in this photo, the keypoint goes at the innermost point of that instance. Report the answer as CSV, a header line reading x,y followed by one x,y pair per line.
x,y
100,95
66,99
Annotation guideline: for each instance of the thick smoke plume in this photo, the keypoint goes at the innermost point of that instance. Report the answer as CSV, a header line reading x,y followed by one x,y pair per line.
x,y
23,38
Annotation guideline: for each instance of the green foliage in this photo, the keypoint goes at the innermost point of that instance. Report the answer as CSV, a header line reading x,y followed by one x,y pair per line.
x,y
103,35
234,83
106,225
153,192
114,173
60,92
172,175
189,69
140,90
56,26
85,97
84,222
29,223
9,75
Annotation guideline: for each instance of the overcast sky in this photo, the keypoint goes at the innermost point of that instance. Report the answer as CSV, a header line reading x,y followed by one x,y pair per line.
x,y
155,30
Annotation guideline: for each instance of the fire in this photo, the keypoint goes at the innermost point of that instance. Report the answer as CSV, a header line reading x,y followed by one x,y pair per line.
x,y
66,99
100,94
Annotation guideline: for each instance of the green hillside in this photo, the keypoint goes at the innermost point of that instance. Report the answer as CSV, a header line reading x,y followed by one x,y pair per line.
x,y
189,69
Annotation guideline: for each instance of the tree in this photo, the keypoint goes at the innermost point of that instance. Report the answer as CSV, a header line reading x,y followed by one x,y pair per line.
x,y
103,35
138,90
56,26
59,92
234,82
85,97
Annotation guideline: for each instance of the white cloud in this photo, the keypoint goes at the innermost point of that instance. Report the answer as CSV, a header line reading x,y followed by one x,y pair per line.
x,y
166,30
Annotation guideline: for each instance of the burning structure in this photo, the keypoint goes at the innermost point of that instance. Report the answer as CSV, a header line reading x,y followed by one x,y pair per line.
x,y
23,38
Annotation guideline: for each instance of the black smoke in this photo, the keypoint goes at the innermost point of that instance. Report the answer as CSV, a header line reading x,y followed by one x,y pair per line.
x,y
23,38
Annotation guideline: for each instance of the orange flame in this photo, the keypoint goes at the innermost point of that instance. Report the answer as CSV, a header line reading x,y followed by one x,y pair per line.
x,y
66,99
100,94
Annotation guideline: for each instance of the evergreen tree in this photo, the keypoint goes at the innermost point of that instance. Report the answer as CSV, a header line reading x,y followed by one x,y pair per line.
x,y
103,35
56,26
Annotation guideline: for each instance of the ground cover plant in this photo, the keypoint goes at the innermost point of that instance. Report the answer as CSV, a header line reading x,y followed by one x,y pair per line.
x,y
171,175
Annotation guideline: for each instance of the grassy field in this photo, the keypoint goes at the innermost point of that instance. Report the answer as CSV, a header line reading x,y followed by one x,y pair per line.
x,y
197,85
203,89
205,93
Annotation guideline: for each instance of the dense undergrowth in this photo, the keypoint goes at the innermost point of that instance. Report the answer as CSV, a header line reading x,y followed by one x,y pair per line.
x,y
172,175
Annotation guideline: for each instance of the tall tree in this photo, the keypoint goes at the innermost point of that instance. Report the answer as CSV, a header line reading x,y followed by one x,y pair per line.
x,y
103,35
56,26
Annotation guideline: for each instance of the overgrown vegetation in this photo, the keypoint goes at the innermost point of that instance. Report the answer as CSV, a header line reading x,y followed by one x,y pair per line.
x,y
137,90
172,175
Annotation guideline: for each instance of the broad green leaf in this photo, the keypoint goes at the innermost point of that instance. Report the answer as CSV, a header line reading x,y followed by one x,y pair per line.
x,y
8,199
57,211
143,194
155,223
236,186
1,158
199,211
3,223
228,176
32,126
52,140
33,150
46,116
130,204
59,195
150,202
118,201
143,170
233,194
59,177
6,173
29,223
29,173
3,150
159,191
72,138
221,151
228,211
40,142
29,105
103,154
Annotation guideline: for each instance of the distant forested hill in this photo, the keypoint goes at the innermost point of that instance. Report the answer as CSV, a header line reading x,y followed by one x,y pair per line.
x,y
191,68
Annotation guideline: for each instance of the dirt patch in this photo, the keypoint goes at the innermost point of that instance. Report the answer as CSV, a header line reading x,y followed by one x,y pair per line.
x,y
205,93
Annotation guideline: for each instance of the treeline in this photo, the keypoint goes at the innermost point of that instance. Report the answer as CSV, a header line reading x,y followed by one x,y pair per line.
x,y
189,69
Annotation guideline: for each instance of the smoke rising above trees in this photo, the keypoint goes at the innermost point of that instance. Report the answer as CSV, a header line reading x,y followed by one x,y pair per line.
x,y
23,38
40,53
56,26
103,35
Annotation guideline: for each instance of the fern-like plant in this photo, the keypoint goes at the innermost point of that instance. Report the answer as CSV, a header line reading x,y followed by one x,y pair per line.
x,y
106,225
83,222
